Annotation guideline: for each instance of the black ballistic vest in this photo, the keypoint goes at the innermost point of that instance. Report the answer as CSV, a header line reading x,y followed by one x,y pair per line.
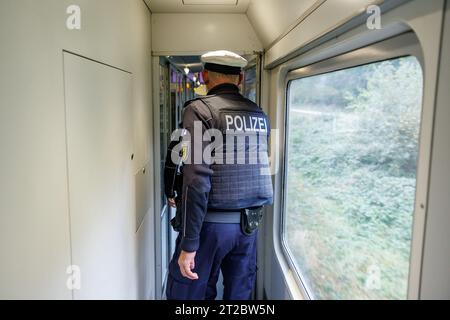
x,y
241,172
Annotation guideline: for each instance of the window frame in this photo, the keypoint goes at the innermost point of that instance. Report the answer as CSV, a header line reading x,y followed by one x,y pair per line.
x,y
403,45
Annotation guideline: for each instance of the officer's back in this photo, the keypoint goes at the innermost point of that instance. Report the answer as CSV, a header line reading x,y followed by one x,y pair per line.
x,y
239,179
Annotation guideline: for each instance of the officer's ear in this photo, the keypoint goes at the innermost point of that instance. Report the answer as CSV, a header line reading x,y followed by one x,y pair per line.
x,y
205,75
241,78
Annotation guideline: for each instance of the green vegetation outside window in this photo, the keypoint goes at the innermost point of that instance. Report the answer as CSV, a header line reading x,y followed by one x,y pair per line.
x,y
352,154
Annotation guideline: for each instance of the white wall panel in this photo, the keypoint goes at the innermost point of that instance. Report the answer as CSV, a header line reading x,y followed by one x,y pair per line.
x,y
436,264
99,144
272,18
322,20
34,219
140,50
34,224
145,258
143,187
197,33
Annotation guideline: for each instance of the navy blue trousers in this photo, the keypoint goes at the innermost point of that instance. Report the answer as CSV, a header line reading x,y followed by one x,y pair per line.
x,y
222,247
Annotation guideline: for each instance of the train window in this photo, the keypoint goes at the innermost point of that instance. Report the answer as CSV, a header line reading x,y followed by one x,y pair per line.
x,y
352,151
250,84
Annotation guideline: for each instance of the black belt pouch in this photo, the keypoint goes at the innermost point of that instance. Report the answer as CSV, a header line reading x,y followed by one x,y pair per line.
x,y
250,220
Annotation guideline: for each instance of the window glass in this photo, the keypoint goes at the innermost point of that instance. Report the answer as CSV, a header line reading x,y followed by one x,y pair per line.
x,y
353,141
250,83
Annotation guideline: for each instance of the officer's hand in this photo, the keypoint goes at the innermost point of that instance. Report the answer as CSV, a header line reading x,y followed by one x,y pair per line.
x,y
172,202
187,263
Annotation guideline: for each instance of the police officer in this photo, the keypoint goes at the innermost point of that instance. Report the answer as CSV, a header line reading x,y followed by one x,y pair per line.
x,y
222,195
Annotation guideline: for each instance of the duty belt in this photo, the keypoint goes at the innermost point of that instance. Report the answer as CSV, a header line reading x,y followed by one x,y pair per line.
x,y
222,216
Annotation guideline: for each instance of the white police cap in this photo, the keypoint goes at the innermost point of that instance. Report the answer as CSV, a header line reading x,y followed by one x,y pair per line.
x,y
224,61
